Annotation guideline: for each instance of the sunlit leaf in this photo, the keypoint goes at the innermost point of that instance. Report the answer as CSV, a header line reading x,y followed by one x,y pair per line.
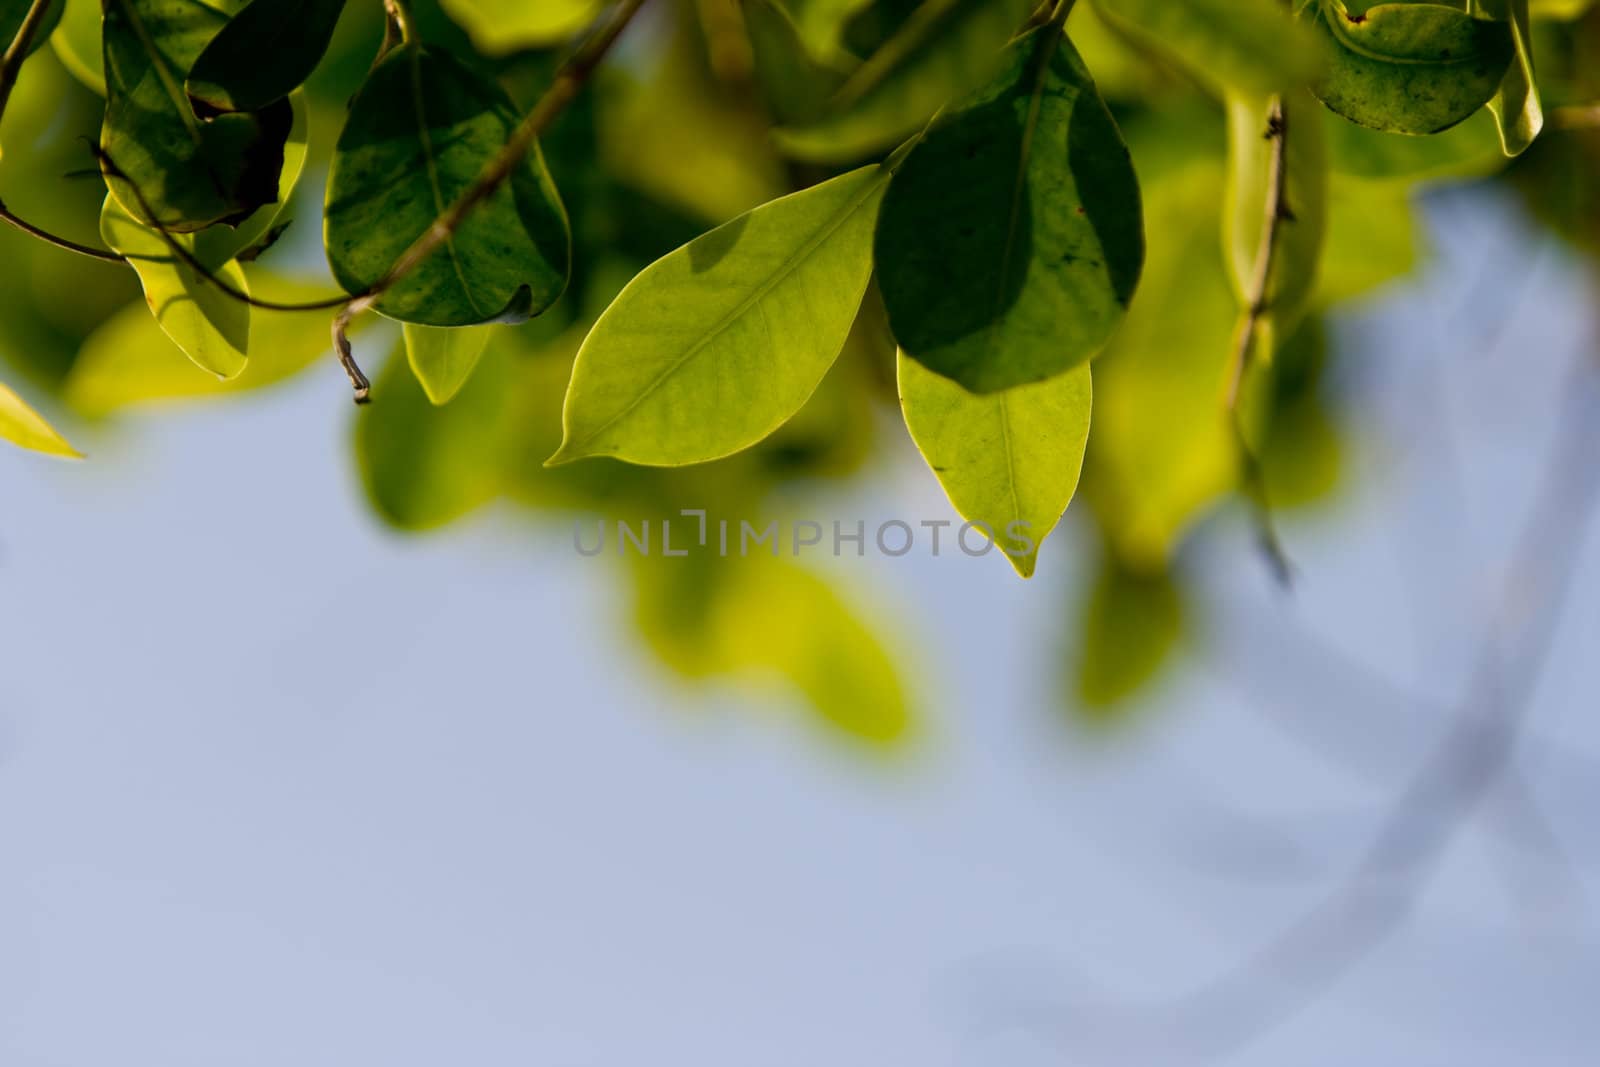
x,y
443,358
420,131
128,362
511,25
26,428
716,345
1409,67
190,173
1009,460
1297,248
263,54
1251,45
946,49
1011,238
210,326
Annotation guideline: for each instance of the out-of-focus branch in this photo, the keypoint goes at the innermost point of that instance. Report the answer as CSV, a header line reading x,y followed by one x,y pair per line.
x,y
17,51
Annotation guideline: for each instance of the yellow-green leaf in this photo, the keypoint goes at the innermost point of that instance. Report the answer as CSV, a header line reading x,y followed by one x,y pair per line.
x,y
498,26
443,358
717,344
1231,44
1009,460
26,428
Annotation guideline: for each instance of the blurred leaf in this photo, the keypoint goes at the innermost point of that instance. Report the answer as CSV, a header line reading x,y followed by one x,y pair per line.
x,y
191,174
1131,625
795,82
1409,67
1297,253
77,43
425,466
1251,45
26,428
1562,10
1371,239
397,168
1011,238
764,617
943,51
1162,450
1470,149
1010,460
129,362
716,345
263,54
500,26
443,358
1516,106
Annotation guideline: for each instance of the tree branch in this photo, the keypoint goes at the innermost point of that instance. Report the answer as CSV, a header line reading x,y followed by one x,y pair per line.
x,y
11,62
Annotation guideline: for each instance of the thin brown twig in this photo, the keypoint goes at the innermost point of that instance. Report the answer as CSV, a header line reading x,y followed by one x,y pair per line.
x,y
17,51
568,81
9,217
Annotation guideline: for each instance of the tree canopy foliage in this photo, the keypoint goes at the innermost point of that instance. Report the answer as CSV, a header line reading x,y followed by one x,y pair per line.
x,y
698,244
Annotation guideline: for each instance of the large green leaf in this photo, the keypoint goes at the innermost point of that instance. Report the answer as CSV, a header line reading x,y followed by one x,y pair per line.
x,y
420,131
716,345
946,49
1409,67
190,173
1297,247
1009,460
14,12
1234,44
263,54
26,428
1011,239
444,357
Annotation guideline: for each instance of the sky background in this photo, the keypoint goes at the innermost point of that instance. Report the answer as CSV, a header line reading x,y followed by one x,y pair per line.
x,y
279,786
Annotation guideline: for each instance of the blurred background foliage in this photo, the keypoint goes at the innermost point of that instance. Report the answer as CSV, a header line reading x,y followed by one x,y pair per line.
x,y
676,134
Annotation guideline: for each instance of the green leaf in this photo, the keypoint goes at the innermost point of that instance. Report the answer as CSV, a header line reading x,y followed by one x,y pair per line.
x,y
716,345
1371,241
946,49
1232,44
1009,460
1516,106
1011,239
191,173
211,327
443,358
1297,252
420,131
1131,625
218,244
796,83
128,362
12,15
499,26
263,54
1412,68
426,466
756,618
77,43
26,428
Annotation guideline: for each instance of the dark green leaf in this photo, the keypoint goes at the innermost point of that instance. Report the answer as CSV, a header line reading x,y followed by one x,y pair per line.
x,y
191,173
420,131
263,54
1011,239
1409,67
12,15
